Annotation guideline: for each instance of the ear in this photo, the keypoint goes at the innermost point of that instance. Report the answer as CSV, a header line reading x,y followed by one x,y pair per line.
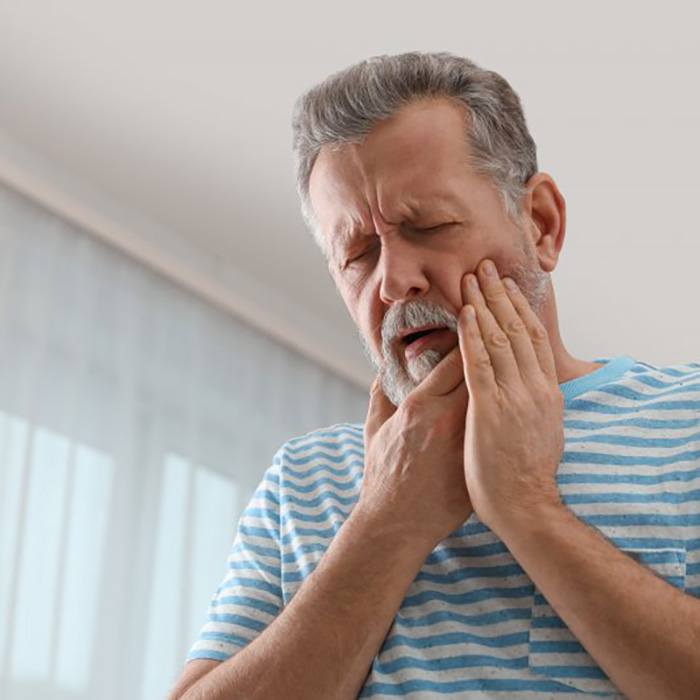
x,y
546,209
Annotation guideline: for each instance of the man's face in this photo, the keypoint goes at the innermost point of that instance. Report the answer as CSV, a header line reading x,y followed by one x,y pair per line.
x,y
404,217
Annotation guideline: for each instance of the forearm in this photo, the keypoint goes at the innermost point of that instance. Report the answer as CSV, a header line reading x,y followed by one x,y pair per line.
x,y
642,631
323,642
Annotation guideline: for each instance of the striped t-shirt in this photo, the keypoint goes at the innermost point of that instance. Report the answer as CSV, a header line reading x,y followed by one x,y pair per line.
x,y
472,624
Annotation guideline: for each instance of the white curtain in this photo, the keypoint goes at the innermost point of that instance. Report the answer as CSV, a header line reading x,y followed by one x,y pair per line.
x,y
135,423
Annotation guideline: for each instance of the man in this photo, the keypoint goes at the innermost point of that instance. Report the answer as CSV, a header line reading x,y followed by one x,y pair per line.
x,y
510,521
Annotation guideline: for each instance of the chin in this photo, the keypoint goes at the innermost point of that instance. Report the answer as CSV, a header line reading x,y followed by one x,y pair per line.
x,y
422,366
397,382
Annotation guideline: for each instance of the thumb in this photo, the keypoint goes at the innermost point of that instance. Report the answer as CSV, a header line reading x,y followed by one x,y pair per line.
x,y
379,411
445,377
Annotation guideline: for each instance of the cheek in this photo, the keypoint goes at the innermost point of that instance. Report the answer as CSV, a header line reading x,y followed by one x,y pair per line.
x,y
365,308
449,281
369,316
453,270
371,312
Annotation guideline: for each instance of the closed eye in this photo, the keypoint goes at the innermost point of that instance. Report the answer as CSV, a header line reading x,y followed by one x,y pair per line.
x,y
359,257
439,226
373,248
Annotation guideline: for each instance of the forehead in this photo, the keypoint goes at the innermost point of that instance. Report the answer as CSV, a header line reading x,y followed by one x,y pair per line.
x,y
416,160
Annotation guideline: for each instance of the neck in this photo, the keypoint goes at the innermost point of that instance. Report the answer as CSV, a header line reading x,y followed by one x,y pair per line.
x,y
568,367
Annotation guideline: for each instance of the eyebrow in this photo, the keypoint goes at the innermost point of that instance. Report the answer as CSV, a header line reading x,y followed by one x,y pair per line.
x,y
442,206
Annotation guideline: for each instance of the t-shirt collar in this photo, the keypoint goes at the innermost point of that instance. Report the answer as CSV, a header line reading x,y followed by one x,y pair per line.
x,y
612,369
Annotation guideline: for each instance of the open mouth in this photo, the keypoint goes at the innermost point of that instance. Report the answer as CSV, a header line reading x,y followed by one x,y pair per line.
x,y
412,337
414,343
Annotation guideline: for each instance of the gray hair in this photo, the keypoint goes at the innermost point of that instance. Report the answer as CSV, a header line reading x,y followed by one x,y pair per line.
x,y
348,104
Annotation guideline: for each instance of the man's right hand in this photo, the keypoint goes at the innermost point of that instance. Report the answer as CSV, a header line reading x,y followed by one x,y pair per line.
x,y
414,479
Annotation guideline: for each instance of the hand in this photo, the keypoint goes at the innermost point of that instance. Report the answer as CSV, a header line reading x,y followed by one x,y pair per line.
x,y
514,434
413,482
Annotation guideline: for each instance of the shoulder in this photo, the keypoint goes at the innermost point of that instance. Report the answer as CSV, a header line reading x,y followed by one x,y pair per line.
x,y
666,376
667,390
336,439
332,456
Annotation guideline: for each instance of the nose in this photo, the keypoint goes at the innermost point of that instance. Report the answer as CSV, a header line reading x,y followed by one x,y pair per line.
x,y
402,271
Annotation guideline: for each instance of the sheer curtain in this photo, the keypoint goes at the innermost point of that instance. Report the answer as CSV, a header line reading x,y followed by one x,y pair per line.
x,y
135,423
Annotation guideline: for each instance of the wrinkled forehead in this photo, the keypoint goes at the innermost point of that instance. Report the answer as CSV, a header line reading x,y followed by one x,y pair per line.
x,y
401,163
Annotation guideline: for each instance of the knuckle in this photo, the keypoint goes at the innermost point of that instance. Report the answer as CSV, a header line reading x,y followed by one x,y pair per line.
x,y
498,339
483,361
494,294
538,332
549,395
515,325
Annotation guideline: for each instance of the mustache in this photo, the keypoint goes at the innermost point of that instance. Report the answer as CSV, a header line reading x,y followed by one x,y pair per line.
x,y
412,314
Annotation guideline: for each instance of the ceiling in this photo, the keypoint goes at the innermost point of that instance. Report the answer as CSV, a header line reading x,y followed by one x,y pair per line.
x,y
165,129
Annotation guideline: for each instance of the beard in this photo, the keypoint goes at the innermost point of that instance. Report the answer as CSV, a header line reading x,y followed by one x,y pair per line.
x,y
399,376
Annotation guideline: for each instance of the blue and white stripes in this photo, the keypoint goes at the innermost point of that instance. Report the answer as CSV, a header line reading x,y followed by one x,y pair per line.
x,y
472,625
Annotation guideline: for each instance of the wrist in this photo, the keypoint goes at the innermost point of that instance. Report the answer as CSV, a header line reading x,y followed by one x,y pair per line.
x,y
388,535
529,518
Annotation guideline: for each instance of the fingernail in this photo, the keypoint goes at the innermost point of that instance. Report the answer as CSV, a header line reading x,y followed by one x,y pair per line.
x,y
509,284
489,268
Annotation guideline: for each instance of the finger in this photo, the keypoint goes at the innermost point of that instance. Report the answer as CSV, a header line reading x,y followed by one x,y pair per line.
x,y
508,318
537,331
496,342
476,364
380,409
445,377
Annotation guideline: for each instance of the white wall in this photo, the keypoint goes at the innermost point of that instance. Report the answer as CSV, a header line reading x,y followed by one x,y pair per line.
x,y
135,422
173,123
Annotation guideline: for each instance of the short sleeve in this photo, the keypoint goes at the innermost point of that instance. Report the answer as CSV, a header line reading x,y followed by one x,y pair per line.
x,y
250,595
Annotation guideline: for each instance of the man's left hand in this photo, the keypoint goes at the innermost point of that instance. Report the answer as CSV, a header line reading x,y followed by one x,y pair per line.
x,y
514,435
